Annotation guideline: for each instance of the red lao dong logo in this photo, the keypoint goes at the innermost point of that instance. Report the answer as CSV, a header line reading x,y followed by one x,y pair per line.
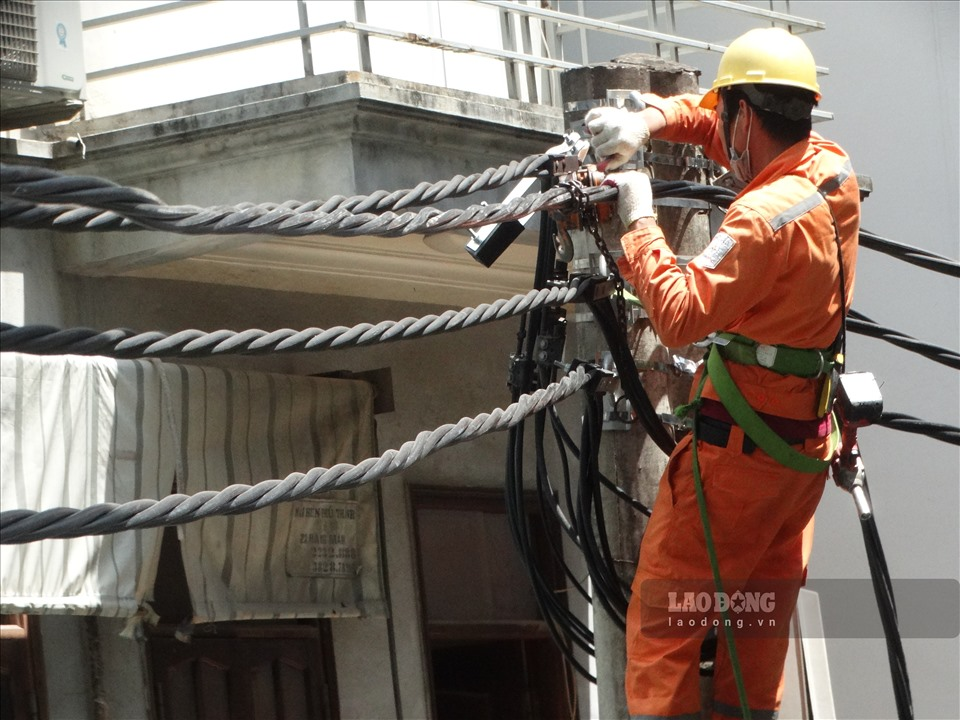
x,y
718,602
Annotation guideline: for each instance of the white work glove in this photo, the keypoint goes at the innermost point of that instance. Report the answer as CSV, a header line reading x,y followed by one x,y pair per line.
x,y
634,197
616,134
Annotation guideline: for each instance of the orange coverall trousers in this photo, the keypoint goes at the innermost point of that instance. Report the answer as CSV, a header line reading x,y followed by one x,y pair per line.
x,y
761,516
771,274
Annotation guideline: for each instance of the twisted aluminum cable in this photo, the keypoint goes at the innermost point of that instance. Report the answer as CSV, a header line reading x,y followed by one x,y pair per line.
x,y
37,198
21,526
124,343
27,214
284,220
378,201
40,198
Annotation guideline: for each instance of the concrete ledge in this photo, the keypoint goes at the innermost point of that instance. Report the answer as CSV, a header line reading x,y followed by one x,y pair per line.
x,y
279,102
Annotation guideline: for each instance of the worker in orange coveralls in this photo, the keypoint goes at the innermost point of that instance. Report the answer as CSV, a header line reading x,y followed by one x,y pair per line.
x,y
770,280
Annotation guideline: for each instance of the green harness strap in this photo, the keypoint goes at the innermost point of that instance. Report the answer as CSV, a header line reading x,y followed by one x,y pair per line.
x,y
712,554
782,359
755,428
768,441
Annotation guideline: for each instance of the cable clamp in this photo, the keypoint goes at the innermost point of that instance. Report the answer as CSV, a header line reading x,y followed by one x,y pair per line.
x,y
601,380
594,287
568,156
520,373
677,421
618,414
552,337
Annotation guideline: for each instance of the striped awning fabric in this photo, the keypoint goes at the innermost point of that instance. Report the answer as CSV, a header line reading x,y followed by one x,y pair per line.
x,y
77,431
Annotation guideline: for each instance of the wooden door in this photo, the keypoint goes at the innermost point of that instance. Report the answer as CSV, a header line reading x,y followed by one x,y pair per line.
x,y
242,678
490,652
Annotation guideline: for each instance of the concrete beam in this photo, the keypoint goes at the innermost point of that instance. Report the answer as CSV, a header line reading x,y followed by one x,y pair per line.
x,y
342,133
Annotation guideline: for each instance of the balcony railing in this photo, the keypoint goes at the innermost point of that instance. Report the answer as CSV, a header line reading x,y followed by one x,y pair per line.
x,y
174,51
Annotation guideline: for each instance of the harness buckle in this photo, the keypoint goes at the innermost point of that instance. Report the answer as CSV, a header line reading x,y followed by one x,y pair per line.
x,y
821,367
712,339
766,355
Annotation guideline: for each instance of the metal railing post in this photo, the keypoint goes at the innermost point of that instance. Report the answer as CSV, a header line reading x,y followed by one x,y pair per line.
x,y
509,43
529,70
306,39
363,40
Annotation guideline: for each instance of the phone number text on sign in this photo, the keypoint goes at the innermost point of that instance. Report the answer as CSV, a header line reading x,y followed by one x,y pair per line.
x,y
323,539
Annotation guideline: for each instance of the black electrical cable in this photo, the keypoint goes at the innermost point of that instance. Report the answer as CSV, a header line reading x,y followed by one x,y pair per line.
x,y
883,589
550,502
859,323
619,589
908,253
907,423
558,431
566,629
549,498
604,480
623,495
599,565
629,377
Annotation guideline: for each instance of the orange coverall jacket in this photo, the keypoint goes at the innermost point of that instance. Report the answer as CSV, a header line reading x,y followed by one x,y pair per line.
x,y
771,274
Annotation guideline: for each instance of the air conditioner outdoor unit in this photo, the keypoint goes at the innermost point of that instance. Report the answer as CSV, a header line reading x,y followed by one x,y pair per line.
x,y
42,79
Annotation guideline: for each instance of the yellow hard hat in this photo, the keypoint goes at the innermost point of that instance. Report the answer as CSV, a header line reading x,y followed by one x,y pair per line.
x,y
765,56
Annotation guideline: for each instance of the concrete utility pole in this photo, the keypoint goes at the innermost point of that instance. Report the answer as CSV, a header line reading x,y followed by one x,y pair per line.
x,y
628,456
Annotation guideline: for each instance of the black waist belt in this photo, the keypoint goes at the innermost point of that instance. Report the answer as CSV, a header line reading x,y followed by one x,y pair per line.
x,y
800,430
717,432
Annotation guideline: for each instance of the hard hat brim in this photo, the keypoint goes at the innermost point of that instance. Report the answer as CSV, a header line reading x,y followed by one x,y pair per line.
x,y
710,99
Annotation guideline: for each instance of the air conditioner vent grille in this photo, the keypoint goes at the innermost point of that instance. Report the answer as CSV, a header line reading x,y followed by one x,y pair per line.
x,y
18,40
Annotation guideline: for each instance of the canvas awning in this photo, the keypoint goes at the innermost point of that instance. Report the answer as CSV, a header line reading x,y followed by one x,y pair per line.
x,y
77,431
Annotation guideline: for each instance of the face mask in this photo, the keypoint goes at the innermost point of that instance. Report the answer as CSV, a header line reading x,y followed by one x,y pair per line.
x,y
740,163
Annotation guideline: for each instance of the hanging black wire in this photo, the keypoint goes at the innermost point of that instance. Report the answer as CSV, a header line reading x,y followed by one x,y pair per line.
x,y
596,550
605,316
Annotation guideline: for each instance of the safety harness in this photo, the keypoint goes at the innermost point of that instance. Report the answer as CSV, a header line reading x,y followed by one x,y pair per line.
x,y
780,359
